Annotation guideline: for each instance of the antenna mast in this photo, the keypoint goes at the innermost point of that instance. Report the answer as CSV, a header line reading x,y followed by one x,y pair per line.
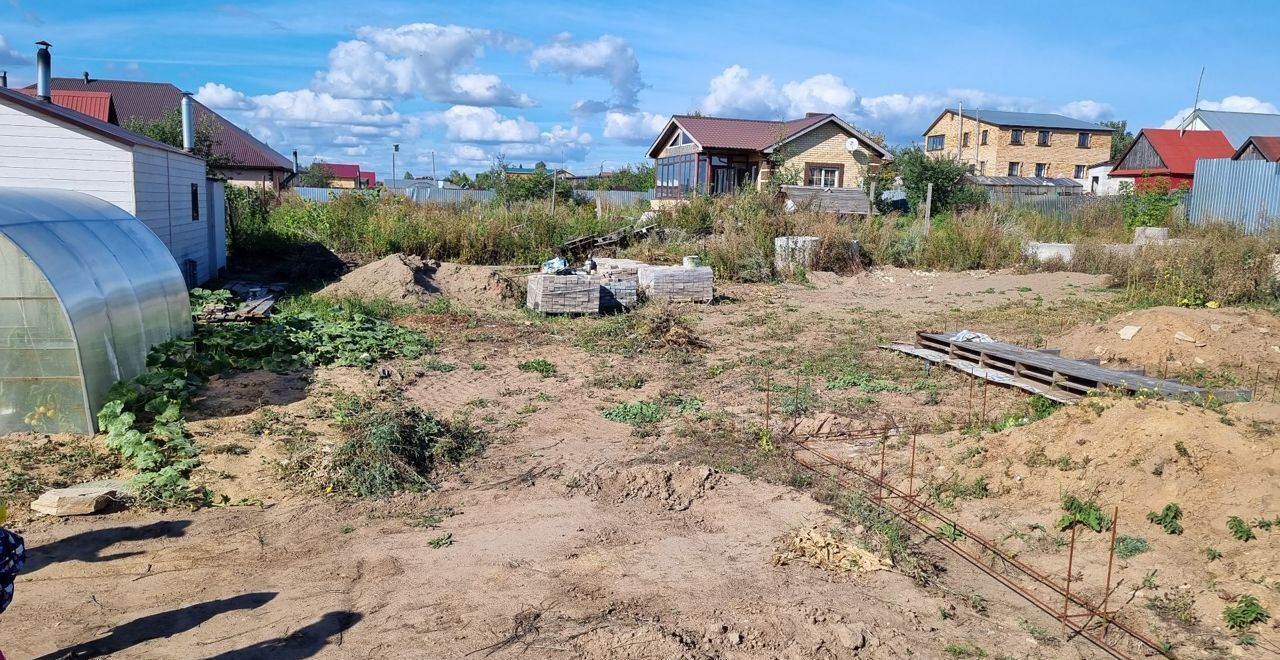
x,y
1194,106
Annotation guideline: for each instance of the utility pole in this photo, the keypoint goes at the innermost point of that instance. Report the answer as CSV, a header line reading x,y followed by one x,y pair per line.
x,y
928,209
433,167
977,145
395,149
960,136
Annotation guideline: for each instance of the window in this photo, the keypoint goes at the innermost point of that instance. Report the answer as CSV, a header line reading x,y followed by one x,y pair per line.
x,y
676,176
823,175
195,202
1082,140
965,141
1042,169
1015,136
1014,169
935,142
982,139
982,165
680,138
1080,170
1042,140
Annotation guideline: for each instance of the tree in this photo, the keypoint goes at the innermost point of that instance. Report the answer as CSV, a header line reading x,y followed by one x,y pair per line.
x,y
1120,136
168,129
947,176
408,176
319,175
639,177
459,179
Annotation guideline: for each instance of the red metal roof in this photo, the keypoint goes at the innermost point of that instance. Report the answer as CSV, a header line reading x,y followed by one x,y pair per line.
x,y
751,134
1269,147
368,179
1179,150
150,101
56,112
344,171
95,104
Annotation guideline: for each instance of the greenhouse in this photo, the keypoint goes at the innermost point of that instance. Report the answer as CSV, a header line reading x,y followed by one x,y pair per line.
x,y
86,290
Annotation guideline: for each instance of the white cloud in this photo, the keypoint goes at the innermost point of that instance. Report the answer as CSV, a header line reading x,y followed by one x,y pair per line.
x,y
558,145
220,97
1229,104
419,59
10,56
821,93
607,57
359,150
633,127
1087,110
735,93
309,107
464,123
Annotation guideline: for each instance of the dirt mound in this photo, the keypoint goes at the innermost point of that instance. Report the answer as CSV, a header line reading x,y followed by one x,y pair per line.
x,y
1141,456
407,279
674,487
1175,340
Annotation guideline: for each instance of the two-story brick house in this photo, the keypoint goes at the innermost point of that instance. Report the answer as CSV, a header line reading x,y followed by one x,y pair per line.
x,y
1001,143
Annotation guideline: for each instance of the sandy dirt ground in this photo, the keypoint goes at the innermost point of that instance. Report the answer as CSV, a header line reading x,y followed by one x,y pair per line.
x,y
572,536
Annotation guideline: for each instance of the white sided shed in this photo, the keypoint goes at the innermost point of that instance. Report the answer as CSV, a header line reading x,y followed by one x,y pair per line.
x,y
43,145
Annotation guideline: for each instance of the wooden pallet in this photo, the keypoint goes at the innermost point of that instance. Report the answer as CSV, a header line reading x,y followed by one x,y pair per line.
x,y
258,300
1045,372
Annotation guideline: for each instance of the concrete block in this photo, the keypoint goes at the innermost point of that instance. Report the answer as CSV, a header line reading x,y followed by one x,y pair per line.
x,y
1145,235
75,501
792,252
676,283
1049,251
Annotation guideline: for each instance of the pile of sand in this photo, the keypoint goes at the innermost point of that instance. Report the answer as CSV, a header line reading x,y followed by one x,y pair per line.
x,y
1236,340
409,279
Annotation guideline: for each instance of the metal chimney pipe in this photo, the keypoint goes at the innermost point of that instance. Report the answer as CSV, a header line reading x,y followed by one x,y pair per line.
x,y
44,68
188,124
295,161
4,79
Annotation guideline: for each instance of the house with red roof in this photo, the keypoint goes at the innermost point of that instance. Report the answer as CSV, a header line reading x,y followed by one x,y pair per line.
x,y
716,155
251,161
1159,155
350,176
1259,147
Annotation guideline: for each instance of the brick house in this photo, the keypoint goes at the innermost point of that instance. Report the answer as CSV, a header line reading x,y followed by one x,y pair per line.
x,y
716,155
1028,144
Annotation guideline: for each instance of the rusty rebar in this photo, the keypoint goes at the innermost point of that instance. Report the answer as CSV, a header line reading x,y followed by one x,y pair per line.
x,y
985,382
1111,558
1066,598
911,472
911,515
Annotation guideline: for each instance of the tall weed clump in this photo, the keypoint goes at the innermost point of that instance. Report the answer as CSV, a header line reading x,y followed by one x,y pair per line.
x,y
1222,265
971,240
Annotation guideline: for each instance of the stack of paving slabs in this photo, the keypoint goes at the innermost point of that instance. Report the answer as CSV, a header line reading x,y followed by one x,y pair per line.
x,y
676,283
618,292
563,294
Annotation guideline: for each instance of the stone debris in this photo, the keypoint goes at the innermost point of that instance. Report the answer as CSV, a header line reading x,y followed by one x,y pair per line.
x,y
1182,336
83,500
1126,333
826,550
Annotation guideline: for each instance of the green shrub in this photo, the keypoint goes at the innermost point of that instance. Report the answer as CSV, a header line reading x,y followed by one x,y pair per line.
x,y
1131,546
636,414
1169,518
538,366
1246,612
1085,513
1240,529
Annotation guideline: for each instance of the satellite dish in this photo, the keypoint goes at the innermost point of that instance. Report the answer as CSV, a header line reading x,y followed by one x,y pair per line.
x,y
852,145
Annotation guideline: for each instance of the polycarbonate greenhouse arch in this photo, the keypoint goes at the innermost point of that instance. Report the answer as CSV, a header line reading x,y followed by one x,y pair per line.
x,y
86,290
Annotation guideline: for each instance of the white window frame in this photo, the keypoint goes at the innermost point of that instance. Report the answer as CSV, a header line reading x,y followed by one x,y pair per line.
x,y
1081,171
1083,137
1015,168
941,140
1042,170
821,174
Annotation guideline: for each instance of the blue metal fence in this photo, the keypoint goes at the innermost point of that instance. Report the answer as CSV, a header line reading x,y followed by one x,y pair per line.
x,y
615,197
1065,208
1243,192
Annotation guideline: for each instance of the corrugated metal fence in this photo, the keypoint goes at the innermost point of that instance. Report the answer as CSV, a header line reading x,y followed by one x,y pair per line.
x,y
420,194
433,195
1243,192
1064,208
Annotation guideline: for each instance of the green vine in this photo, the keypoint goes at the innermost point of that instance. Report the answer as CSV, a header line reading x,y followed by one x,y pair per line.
x,y
143,417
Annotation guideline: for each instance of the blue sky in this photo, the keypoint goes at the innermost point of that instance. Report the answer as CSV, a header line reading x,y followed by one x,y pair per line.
x,y
586,84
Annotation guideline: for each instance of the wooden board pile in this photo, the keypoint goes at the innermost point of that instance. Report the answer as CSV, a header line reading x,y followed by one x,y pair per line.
x,y
258,300
676,283
563,294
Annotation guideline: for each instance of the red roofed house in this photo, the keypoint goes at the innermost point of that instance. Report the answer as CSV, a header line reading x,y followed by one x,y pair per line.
x,y
715,155
351,176
1259,148
253,163
1169,154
